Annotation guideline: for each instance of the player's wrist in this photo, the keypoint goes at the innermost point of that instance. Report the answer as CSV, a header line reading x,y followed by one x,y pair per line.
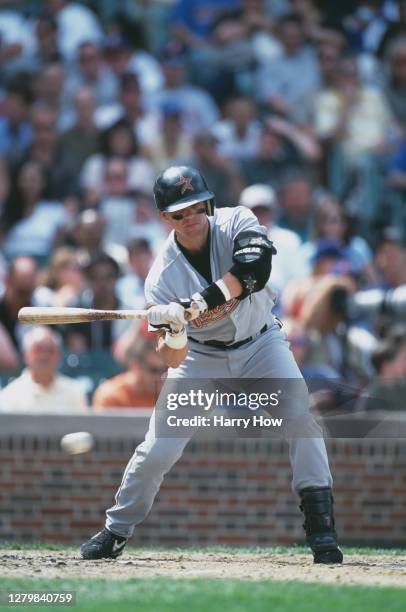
x,y
215,294
176,339
212,296
224,289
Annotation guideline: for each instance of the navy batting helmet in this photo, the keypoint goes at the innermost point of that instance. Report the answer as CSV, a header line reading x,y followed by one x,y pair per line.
x,y
180,186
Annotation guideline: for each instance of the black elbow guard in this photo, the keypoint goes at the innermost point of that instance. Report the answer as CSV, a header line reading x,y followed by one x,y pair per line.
x,y
252,257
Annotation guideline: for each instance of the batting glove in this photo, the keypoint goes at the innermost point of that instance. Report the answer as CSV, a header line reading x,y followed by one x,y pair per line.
x,y
176,339
172,314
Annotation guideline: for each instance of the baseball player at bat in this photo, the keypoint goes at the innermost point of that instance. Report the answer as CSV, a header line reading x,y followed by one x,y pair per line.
x,y
221,260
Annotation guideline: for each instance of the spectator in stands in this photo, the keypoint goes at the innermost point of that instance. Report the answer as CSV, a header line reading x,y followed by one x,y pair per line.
x,y
32,224
16,37
87,235
395,29
19,287
219,172
282,148
329,56
62,281
357,123
173,144
310,302
328,394
39,43
390,259
226,65
148,224
239,132
389,358
289,83
397,169
76,24
192,20
199,111
45,149
309,299
82,139
139,386
309,14
262,200
40,388
152,19
116,203
130,108
260,27
395,81
15,126
130,287
387,391
90,71
102,273
353,115
122,58
9,358
46,40
5,190
304,346
49,88
329,221
366,25
118,141
296,202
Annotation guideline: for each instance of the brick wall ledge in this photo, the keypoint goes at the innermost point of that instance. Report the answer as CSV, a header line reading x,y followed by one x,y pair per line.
x,y
120,425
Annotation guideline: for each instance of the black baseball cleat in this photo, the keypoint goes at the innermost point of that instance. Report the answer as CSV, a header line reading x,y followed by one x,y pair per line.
x,y
103,545
317,506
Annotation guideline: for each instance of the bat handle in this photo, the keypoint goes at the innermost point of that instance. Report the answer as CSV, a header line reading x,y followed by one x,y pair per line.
x,y
192,311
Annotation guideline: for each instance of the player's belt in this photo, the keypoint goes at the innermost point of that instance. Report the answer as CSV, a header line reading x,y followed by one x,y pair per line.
x,y
224,346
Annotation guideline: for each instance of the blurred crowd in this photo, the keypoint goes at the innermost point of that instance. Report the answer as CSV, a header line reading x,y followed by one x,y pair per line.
x,y
293,108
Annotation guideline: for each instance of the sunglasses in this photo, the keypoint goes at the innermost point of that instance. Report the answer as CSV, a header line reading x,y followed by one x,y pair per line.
x,y
197,211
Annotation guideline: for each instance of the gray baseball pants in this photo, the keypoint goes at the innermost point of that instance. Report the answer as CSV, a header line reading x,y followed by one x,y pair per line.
x,y
268,356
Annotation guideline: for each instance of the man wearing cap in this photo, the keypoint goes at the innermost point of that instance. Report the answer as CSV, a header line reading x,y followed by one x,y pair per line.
x,y
262,201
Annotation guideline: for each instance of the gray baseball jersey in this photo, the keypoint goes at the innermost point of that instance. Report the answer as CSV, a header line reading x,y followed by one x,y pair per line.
x,y
173,277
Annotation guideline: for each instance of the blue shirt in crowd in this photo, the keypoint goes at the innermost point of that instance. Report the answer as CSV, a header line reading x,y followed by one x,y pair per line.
x,y
198,15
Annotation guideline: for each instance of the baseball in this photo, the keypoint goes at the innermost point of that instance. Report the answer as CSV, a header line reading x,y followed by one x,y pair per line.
x,y
78,442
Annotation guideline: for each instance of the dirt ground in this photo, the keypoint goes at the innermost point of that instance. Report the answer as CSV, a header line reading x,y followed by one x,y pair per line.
x,y
377,570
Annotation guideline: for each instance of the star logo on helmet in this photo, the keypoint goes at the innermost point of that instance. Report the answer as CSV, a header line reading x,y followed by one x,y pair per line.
x,y
184,183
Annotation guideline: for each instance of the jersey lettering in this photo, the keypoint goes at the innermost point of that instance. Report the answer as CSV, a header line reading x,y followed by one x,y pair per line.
x,y
215,314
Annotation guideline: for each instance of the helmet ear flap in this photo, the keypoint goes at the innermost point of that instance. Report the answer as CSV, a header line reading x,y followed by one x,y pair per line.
x,y
210,206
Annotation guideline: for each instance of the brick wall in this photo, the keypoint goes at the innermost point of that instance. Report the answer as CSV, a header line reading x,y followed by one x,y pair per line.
x,y
234,492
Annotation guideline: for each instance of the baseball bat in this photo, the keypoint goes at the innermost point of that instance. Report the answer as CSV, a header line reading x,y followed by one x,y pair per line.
x,y
53,315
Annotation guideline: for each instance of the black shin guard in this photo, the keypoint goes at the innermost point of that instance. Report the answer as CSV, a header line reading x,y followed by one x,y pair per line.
x,y
317,507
